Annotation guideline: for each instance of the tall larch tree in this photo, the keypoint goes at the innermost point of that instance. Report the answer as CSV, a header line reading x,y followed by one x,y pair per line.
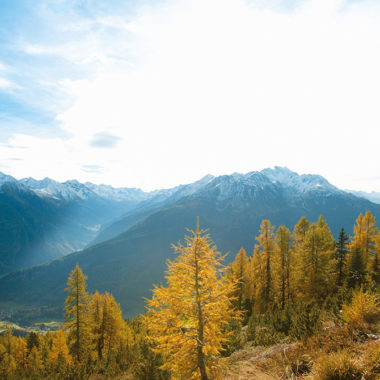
x,y
300,230
77,315
316,263
240,269
188,318
282,266
113,325
365,231
59,353
262,263
20,352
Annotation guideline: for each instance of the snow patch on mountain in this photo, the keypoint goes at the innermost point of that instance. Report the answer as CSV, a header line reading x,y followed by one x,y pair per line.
x,y
373,196
301,183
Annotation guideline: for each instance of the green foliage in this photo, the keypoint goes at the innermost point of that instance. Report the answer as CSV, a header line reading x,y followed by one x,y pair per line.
x,y
356,271
305,320
233,343
340,255
262,331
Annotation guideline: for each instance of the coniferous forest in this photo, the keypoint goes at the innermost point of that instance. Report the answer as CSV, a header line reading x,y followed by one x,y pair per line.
x,y
302,305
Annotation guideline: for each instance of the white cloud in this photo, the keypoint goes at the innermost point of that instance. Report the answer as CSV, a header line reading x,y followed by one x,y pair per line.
x,y
5,83
191,87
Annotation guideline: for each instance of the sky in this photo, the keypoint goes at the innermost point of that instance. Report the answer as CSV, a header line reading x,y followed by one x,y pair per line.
x,y
154,93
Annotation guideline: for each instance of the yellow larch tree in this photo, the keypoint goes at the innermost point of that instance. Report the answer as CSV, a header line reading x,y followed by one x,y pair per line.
x,y
262,267
96,323
77,316
113,325
188,318
20,352
316,264
59,352
239,268
300,230
282,266
364,238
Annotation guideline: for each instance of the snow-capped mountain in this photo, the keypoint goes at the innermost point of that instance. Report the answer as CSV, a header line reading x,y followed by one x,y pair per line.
x,y
48,219
45,219
6,179
129,256
300,183
373,196
72,189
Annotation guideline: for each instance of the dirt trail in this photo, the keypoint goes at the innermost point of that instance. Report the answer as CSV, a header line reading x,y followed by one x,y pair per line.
x,y
248,371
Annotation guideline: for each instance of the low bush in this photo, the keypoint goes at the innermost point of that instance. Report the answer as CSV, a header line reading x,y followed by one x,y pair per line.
x,y
337,366
362,315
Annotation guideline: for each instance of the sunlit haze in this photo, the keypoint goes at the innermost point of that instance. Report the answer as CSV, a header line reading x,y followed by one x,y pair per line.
x,y
157,93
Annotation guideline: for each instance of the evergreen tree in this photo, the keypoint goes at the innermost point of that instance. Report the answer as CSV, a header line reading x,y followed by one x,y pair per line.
x,y
76,316
188,318
32,340
341,253
356,271
375,270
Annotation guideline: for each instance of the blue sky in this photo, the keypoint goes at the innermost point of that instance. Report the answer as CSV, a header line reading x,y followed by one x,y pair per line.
x,y
156,93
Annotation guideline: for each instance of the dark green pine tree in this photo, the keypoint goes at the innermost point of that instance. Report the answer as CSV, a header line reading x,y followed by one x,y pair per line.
x,y
356,272
376,269
340,255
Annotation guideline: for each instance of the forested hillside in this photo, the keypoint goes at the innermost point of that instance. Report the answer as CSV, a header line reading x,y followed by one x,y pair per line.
x,y
312,299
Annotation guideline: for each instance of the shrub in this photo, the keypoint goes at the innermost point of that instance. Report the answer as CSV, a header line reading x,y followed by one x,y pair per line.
x,y
337,366
363,314
372,361
305,321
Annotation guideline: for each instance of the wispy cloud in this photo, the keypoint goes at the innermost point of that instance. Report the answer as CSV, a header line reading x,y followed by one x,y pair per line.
x,y
104,140
92,168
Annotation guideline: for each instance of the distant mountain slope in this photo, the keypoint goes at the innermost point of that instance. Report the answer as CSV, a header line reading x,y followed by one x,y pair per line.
x,y
231,206
43,220
158,200
373,196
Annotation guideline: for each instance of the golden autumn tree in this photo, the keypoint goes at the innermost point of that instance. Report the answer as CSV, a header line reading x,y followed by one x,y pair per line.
x,y
77,316
187,319
364,239
262,267
316,264
239,269
20,352
108,326
59,352
300,230
282,266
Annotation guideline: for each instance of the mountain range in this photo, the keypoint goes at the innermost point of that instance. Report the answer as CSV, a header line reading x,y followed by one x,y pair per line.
x,y
128,255
43,220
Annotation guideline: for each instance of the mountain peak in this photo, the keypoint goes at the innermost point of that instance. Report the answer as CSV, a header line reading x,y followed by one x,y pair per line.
x,y
300,182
